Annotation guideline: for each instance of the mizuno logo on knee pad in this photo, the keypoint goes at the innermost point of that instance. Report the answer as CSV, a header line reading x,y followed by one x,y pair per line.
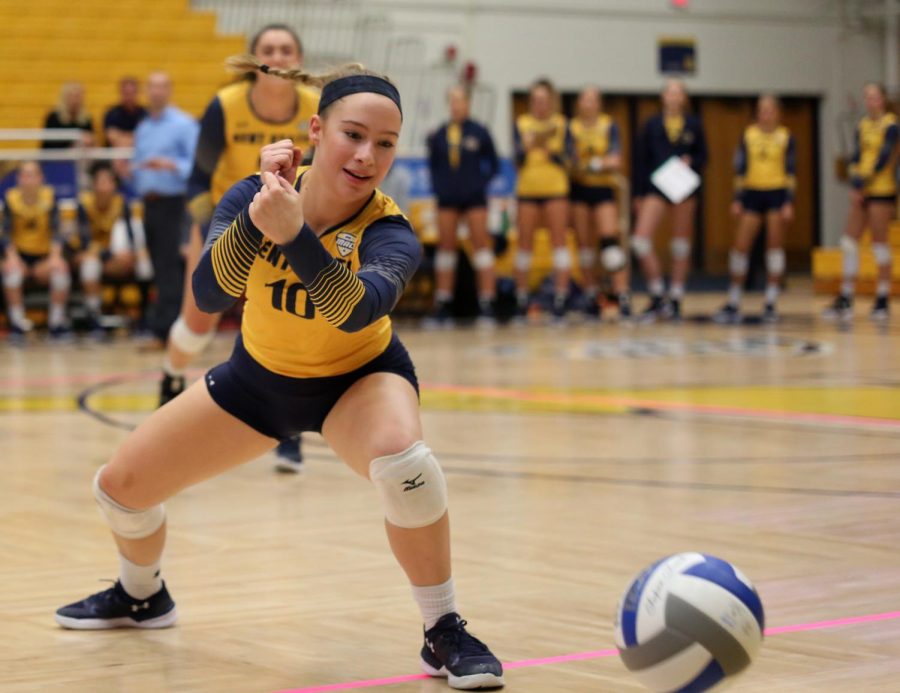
x,y
412,484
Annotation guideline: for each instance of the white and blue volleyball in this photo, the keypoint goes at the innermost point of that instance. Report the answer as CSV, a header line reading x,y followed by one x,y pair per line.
x,y
688,623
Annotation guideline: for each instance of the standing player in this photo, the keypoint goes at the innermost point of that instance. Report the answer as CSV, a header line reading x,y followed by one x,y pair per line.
x,y
764,191
594,210
543,147
462,160
105,245
323,258
242,117
672,133
32,247
873,203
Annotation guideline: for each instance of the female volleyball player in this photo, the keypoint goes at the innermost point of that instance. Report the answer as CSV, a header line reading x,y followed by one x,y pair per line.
x,y
594,209
462,160
31,246
764,191
672,133
543,153
242,117
873,203
322,262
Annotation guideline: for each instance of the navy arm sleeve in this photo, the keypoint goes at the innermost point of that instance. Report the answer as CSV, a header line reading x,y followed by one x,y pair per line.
x,y
210,145
230,249
615,140
790,167
489,154
389,255
642,163
698,161
884,155
518,148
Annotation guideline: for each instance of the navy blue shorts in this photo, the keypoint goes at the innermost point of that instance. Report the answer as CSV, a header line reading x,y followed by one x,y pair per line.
x,y
591,194
889,199
32,260
462,204
281,407
653,190
762,201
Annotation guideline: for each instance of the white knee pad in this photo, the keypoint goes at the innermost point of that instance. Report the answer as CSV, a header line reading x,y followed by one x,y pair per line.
x,y
681,248
483,259
523,260
91,270
561,259
445,260
775,262
850,253
642,246
587,257
186,340
128,523
738,263
60,281
612,256
412,487
13,279
882,253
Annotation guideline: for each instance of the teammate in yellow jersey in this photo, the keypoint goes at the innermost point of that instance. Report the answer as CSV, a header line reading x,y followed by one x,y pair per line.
x,y
258,110
873,203
107,243
543,147
765,165
31,246
594,210
323,259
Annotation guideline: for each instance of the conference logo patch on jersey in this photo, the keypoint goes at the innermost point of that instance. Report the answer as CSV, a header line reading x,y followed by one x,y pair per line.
x,y
346,242
471,143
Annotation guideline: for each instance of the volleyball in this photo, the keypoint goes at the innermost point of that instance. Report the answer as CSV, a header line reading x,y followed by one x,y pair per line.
x,y
688,623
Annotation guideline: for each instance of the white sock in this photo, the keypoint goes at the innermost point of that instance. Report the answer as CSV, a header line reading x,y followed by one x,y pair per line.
x,y
170,370
522,298
435,601
140,581
656,287
92,303
772,292
847,287
17,314
734,295
883,288
677,291
442,296
57,315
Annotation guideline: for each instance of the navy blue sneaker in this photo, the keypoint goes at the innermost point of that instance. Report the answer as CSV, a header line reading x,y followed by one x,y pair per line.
x,y
288,456
467,663
115,608
60,334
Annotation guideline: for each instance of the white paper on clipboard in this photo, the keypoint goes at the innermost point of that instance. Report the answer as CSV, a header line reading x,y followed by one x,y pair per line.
x,y
676,180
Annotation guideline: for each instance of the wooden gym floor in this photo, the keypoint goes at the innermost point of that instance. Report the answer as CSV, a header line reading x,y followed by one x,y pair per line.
x,y
575,456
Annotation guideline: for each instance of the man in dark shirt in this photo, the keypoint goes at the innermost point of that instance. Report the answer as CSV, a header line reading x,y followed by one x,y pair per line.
x,y
120,121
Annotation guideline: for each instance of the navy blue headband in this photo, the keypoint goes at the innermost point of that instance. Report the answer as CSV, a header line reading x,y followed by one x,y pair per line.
x,y
356,84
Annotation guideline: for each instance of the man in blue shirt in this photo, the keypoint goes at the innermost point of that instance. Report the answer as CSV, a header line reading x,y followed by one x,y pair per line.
x,y
164,144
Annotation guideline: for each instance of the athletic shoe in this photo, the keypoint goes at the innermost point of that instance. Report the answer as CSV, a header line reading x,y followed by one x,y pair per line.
x,y
770,314
61,334
449,651
624,306
440,316
520,313
170,387
591,309
673,310
486,316
880,310
115,608
841,309
727,315
656,310
288,457
558,309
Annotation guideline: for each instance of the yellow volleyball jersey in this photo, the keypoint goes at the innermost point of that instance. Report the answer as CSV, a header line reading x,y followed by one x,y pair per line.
x,y
591,141
767,158
101,221
281,328
871,135
539,174
674,127
32,224
246,133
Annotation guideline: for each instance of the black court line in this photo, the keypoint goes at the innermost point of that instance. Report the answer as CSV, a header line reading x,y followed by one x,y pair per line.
x,y
84,406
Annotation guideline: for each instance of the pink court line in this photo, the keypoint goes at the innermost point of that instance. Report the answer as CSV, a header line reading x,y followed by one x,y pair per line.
x,y
637,402
596,654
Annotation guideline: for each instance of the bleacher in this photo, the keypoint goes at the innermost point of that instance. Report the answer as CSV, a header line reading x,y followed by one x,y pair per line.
x,y
45,46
